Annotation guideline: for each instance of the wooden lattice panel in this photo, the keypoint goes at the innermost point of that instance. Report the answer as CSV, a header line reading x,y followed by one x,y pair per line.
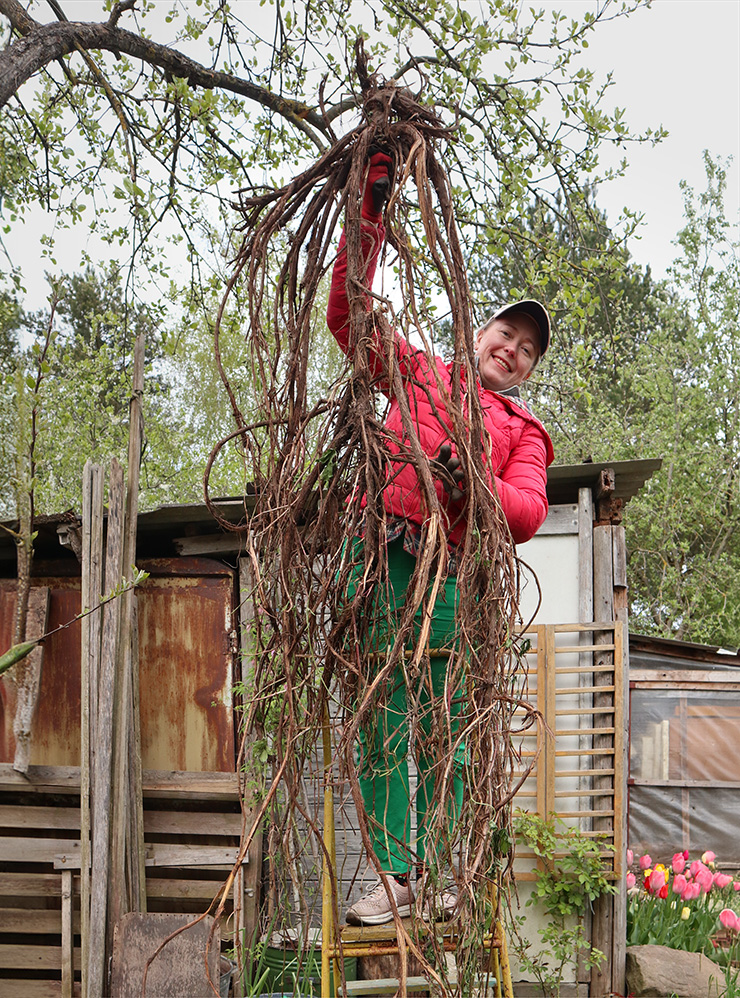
x,y
575,679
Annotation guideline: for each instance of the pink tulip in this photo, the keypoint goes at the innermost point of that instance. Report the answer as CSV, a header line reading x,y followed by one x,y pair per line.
x,y
645,862
736,885
705,880
729,919
680,884
678,862
631,880
722,880
657,880
630,857
695,867
690,892
708,856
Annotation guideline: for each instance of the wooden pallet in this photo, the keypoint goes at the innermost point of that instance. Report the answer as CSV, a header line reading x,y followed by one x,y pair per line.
x,y
191,846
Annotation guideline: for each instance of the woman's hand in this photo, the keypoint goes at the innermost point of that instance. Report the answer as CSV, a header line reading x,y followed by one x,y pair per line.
x,y
377,185
447,468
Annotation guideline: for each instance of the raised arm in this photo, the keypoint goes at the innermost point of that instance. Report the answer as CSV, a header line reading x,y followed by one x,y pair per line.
x,y
373,236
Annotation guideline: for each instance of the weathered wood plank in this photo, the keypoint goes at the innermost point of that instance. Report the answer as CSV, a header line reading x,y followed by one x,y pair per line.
x,y
18,816
14,988
67,936
185,890
39,921
194,823
104,709
68,856
91,592
16,956
603,913
210,545
653,679
17,849
247,883
561,519
176,785
31,884
47,885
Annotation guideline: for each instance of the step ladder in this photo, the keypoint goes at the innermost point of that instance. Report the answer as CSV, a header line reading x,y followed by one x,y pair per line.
x,y
380,940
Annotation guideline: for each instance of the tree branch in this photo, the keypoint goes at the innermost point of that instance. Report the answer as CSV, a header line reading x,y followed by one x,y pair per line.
x,y
43,43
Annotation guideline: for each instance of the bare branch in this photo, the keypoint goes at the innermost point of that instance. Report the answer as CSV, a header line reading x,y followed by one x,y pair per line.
x,y
43,44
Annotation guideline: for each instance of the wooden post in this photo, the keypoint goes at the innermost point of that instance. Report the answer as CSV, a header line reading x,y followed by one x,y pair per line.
x,y
329,865
128,878
609,595
585,660
621,613
603,916
247,882
67,935
92,562
131,630
137,856
99,944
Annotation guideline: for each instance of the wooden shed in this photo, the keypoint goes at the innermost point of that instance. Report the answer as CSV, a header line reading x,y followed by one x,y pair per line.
x,y
684,779
190,613
189,662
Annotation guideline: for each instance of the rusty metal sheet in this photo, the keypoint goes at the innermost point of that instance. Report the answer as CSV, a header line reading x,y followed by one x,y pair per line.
x,y
185,661
56,729
178,969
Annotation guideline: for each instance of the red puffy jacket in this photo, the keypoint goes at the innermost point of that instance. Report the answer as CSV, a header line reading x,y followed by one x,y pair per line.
x,y
521,449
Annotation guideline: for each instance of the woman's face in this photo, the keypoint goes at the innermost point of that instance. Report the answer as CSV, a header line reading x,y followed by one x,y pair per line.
x,y
507,350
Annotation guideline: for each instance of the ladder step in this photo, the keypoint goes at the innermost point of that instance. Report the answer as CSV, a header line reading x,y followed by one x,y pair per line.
x,y
383,986
484,987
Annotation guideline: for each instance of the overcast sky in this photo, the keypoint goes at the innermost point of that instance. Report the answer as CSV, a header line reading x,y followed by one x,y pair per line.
x,y
676,63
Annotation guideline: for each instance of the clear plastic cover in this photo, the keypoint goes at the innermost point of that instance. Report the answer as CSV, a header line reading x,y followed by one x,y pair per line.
x,y
680,741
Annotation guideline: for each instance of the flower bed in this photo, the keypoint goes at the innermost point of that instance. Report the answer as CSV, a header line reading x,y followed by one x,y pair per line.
x,y
688,905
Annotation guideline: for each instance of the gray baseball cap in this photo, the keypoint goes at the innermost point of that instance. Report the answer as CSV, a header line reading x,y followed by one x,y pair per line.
x,y
535,311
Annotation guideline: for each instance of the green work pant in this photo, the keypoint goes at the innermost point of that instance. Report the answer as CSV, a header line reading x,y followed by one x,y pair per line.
x,y
384,734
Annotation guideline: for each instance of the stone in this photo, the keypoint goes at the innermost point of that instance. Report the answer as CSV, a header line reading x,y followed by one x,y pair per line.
x,y
660,972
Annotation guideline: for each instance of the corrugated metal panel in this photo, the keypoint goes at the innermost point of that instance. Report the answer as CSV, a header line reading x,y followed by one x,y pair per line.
x,y
185,666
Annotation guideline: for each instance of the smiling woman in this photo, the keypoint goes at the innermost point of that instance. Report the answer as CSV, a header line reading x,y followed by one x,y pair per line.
x,y
509,346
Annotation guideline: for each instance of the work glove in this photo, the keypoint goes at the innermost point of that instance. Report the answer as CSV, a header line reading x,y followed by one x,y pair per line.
x,y
447,468
377,185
